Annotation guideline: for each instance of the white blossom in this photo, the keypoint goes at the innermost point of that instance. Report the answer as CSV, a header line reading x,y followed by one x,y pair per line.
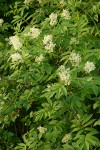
x,y
73,41
35,32
64,75
1,22
89,66
65,14
14,40
16,57
26,2
42,129
47,41
38,59
50,46
61,68
66,138
75,59
62,2
53,19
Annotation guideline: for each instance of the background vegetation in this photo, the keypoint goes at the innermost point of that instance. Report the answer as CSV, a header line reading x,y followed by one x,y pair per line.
x,y
49,75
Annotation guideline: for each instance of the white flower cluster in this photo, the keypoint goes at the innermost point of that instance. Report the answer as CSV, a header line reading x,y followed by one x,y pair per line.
x,y
75,59
39,59
89,66
67,138
26,2
62,2
65,14
34,32
47,41
42,129
1,22
14,40
73,41
64,75
16,57
53,19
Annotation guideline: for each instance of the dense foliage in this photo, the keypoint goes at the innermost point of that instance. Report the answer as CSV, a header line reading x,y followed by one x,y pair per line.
x,y
50,75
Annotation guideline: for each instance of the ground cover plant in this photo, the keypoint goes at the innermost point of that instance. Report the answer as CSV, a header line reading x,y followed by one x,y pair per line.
x,y
50,75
